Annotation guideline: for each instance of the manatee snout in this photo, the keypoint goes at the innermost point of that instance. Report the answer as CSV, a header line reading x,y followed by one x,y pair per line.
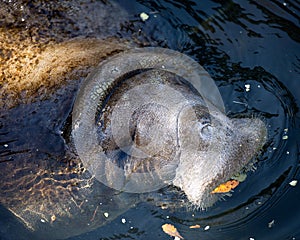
x,y
253,134
230,145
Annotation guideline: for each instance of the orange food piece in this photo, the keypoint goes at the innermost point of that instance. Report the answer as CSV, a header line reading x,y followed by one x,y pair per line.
x,y
53,218
226,187
195,226
171,230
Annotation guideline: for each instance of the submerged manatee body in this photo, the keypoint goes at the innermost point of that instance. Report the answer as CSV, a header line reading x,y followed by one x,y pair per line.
x,y
46,49
149,119
43,183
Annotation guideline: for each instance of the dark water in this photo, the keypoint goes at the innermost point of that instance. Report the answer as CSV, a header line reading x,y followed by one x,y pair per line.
x,y
256,43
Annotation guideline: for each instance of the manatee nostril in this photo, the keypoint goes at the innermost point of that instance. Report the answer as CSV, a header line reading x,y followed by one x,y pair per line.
x,y
229,132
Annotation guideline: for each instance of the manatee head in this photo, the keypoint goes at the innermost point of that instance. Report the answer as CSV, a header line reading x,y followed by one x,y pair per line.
x,y
150,118
213,149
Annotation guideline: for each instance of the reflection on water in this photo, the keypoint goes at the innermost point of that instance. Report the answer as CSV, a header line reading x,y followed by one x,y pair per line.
x,y
251,43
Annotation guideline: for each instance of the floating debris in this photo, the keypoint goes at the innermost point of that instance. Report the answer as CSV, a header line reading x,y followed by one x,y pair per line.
x,y
163,207
206,228
226,187
123,220
53,218
285,132
94,214
106,214
271,224
285,137
293,183
195,226
144,16
171,230
247,87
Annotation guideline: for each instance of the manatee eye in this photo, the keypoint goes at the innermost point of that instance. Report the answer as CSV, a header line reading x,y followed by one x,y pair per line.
x,y
205,129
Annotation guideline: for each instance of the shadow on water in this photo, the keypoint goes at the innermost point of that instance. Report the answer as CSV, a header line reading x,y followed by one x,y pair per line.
x,y
252,43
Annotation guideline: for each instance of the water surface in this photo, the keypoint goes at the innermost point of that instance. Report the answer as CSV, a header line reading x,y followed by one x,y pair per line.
x,y
250,43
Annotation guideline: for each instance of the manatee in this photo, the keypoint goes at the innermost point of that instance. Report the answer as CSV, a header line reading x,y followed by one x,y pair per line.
x,y
152,117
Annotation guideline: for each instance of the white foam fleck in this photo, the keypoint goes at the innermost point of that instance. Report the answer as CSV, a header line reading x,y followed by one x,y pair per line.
x,y
293,183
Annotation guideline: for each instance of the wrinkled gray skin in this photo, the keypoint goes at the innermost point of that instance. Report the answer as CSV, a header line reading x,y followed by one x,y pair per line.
x,y
201,148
